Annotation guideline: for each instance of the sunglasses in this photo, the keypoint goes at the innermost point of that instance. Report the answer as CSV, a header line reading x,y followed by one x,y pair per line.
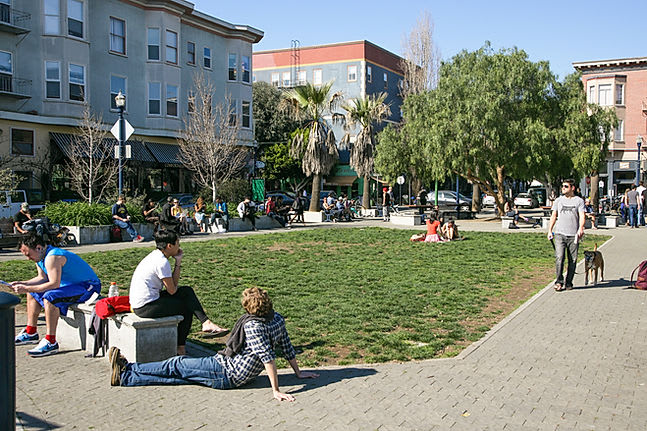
x,y
566,186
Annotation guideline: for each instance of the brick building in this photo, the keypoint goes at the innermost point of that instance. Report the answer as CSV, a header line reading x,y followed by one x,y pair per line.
x,y
620,84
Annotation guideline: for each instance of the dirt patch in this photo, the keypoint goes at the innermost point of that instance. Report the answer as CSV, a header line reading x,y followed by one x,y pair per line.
x,y
289,247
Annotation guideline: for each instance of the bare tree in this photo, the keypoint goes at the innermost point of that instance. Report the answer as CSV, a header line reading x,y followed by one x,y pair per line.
x,y
421,58
91,165
209,143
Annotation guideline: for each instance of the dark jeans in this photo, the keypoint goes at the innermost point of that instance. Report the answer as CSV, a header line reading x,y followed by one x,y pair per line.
x,y
179,370
223,216
633,215
184,303
251,218
565,245
278,218
128,226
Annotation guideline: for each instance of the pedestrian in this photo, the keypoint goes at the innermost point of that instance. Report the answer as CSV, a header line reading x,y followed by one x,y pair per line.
x,y
386,203
633,201
642,192
567,228
247,210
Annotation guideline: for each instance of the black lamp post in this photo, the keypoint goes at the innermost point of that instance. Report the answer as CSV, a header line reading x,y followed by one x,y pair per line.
x,y
120,100
639,142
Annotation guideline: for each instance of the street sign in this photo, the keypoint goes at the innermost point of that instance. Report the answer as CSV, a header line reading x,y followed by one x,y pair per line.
x,y
400,180
115,130
260,164
128,151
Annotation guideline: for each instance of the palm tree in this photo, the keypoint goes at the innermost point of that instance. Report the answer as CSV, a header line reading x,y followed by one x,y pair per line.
x,y
317,144
366,112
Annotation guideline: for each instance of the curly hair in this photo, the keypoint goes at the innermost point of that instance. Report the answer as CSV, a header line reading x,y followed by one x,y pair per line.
x,y
256,301
32,240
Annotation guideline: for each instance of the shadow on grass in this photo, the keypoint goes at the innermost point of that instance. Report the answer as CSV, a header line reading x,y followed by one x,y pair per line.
x,y
25,420
326,377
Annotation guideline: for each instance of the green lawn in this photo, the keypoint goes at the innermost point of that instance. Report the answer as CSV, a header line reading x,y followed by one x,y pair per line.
x,y
353,295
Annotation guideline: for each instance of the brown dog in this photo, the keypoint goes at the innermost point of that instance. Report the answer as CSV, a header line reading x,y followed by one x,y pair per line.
x,y
592,262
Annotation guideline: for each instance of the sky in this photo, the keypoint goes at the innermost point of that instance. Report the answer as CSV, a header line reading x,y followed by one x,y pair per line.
x,y
560,32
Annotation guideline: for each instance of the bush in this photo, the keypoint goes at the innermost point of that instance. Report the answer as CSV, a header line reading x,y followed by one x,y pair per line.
x,y
85,214
233,191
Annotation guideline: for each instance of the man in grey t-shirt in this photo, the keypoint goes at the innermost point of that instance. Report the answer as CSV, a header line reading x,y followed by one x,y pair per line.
x,y
634,203
567,223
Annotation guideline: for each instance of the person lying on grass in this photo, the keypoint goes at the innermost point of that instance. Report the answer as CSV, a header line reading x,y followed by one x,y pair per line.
x,y
249,350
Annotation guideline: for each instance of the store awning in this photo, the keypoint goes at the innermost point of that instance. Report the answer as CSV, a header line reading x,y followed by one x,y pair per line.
x,y
139,152
165,153
341,180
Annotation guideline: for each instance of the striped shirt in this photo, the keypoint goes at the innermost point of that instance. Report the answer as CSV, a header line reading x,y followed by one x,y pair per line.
x,y
260,341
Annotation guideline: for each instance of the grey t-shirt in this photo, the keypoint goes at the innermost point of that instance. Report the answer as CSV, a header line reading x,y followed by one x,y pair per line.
x,y
568,215
632,197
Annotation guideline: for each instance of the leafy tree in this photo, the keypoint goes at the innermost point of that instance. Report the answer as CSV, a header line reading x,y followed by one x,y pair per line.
x,y
310,103
365,112
280,165
271,123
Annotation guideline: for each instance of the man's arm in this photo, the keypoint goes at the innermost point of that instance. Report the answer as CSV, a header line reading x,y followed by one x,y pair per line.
x,y
54,265
171,283
551,224
270,368
41,277
301,374
580,231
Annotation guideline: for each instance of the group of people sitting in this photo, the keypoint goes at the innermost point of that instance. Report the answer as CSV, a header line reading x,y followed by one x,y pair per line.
x,y
511,210
173,217
438,231
64,278
338,208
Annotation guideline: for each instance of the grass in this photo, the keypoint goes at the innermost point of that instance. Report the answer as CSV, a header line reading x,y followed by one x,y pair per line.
x,y
357,295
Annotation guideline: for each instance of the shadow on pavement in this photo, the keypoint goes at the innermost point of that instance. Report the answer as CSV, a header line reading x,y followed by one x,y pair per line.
x,y
325,378
606,283
30,422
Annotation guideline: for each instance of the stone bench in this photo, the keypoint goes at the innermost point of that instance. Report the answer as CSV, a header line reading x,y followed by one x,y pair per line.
x,y
612,221
262,222
506,222
545,221
406,220
140,339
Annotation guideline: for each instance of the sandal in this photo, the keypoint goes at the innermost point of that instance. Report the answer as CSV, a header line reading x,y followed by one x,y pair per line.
x,y
559,287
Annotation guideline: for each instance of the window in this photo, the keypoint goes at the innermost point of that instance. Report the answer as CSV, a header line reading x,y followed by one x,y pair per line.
x,y
618,133
352,73
5,11
22,142
75,18
369,74
285,79
620,96
171,100
52,11
244,64
591,94
6,70
275,79
301,77
317,77
386,81
190,52
52,80
77,82
233,67
233,113
604,95
154,98
206,58
190,97
117,35
171,46
117,84
154,44
246,114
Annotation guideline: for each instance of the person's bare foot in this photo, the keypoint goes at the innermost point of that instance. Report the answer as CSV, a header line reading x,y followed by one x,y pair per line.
x,y
209,326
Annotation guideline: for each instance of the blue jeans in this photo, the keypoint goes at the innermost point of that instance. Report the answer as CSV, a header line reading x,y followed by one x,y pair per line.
x,y
565,245
641,215
179,370
633,215
129,228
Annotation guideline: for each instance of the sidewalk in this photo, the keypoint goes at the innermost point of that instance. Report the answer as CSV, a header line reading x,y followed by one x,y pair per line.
x,y
569,360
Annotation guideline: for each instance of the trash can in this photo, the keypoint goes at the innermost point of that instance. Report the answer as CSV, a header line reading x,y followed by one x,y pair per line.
x,y
7,361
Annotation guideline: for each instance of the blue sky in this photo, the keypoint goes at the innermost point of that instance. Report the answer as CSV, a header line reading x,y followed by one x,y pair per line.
x,y
558,31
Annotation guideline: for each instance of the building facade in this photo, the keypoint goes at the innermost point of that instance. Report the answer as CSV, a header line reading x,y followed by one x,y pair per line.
x,y
56,56
357,69
620,84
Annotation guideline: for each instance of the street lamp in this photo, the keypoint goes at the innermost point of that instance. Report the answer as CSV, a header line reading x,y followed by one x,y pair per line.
x,y
120,100
639,142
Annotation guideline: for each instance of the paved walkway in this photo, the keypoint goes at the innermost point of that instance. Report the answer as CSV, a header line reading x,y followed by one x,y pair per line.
x,y
572,360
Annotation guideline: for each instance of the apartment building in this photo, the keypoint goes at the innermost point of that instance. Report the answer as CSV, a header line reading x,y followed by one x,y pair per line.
x,y
357,69
58,55
621,85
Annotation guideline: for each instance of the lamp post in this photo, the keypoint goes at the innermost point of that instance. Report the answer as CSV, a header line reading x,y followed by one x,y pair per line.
x,y
639,142
120,100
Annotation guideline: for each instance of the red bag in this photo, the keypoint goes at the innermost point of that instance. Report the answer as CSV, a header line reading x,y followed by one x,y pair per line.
x,y
115,234
641,279
107,307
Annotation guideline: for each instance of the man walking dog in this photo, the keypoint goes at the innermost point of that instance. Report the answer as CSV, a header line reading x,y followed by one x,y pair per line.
x,y
567,220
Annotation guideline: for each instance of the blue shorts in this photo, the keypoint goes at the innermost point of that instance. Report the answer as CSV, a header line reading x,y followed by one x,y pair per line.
x,y
63,297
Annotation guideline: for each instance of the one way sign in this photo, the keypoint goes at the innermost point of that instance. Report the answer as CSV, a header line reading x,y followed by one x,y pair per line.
x,y
129,130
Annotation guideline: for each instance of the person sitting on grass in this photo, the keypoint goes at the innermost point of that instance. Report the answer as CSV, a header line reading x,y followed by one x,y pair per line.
x,y
249,350
247,210
154,290
121,218
63,279
449,231
432,230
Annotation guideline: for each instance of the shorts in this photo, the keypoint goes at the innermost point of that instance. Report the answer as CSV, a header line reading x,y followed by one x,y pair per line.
x,y
63,297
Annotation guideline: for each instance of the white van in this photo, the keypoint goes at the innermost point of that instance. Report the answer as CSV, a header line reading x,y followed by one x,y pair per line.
x,y
10,202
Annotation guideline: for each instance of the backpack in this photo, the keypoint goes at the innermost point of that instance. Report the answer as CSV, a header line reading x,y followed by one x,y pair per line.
x,y
641,279
107,307
115,234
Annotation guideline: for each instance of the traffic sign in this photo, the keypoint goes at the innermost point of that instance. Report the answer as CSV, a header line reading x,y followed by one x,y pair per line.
x,y
400,180
115,130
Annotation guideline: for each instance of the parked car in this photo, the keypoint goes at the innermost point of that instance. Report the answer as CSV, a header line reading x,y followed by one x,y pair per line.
x,y
488,201
541,193
287,199
447,199
526,200
324,194
186,200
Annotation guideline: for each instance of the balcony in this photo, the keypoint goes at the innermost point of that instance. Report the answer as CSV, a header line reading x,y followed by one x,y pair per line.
x,y
13,21
16,88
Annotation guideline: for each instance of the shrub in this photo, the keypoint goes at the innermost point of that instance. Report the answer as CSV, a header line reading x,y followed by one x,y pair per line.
x,y
233,191
85,214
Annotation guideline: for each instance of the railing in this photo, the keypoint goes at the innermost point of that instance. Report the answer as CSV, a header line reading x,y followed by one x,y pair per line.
x,y
18,86
13,16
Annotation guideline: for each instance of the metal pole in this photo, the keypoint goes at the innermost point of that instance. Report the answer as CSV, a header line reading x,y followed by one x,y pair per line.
x,y
639,143
122,138
458,203
7,361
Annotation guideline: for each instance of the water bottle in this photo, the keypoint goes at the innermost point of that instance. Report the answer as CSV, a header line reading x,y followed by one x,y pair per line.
x,y
114,290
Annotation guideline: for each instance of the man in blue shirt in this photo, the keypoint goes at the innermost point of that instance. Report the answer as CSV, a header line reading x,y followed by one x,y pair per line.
x,y
121,218
220,211
63,279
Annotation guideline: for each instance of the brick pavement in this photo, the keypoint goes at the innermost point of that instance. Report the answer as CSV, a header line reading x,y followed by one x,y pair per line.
x,y
568,360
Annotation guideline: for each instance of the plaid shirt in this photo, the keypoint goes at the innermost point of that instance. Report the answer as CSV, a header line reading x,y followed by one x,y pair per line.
x,y
260,340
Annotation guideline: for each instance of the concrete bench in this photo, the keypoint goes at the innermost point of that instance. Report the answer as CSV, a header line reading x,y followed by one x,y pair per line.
x,y
612,221
506,222
140,339
545,221
406,220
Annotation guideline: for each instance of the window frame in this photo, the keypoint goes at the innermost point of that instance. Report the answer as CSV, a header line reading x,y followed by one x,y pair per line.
x,y
33,141
275,82
188,53
167,46
314,76
159,44
620,102
10,62
243,70
244,103
206,57
234,69
113,95
123,37
233,113
67,22
608,91
304,74
385,78
286,82
84,85
348,73
177,104
369,74
620,130
591,94
149,99
48,80
46,15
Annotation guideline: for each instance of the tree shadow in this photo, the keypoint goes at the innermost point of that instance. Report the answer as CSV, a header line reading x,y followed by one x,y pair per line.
x,y
28,421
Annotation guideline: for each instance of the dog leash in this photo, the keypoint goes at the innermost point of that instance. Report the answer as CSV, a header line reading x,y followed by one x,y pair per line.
x,y
552,242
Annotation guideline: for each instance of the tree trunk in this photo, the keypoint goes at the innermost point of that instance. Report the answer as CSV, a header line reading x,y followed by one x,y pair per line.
x,y
476,197
500,195
366,190
213,192
595,188
314,198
